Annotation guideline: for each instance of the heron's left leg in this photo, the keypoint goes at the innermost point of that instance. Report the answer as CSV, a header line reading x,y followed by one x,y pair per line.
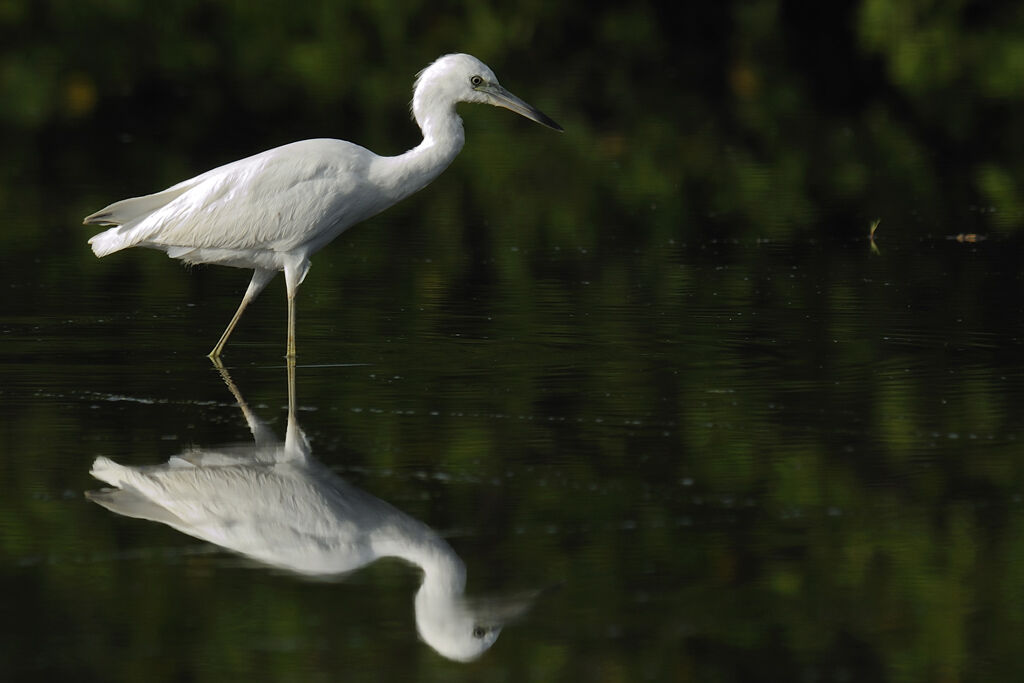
x,y
260,279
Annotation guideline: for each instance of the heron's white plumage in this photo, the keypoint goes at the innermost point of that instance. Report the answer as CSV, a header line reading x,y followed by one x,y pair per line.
x,y
287,199
272,211
291,514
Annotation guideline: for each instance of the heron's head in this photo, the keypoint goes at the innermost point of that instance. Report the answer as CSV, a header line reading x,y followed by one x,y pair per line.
x,y
461,628
450,625
464,78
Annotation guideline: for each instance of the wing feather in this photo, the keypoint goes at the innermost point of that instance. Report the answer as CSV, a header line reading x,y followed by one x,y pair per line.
x,y
277,200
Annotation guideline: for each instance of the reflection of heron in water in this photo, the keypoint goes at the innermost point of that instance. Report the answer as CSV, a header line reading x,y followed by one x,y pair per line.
x,y
275,503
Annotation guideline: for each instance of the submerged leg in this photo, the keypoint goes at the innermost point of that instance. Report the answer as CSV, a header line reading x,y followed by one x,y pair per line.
x,y
260,279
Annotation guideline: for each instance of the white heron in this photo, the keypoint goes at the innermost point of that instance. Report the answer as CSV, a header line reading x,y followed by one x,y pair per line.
x,y
272,211
273,502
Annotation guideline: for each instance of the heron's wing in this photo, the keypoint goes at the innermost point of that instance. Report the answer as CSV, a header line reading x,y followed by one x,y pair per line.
x,y
283,515
135,208
277,200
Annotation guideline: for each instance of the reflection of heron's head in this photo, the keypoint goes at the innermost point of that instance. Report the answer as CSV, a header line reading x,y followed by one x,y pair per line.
x,y
464,628
451,626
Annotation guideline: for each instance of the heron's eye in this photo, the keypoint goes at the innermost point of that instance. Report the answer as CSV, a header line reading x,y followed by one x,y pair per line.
x,y
476,81
479,631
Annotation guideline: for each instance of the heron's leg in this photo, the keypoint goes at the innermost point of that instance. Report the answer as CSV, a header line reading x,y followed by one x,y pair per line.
x,y
260,279
294,273
290,353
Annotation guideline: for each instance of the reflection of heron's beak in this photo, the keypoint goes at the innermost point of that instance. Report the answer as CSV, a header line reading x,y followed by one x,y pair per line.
x,y
503,98
498,611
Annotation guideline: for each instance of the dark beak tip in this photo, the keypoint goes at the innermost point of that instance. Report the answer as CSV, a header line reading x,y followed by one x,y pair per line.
x,y
550,123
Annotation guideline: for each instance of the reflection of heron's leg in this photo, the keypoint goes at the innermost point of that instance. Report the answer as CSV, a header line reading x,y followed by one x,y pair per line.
x,y
256,425
295,443
291,388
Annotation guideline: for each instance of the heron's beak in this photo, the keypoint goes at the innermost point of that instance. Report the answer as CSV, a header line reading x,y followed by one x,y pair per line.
x,y
503,98
497,610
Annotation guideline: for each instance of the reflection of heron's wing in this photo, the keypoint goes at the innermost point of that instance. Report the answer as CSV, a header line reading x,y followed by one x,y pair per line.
x,y
241,455
131,504
277,513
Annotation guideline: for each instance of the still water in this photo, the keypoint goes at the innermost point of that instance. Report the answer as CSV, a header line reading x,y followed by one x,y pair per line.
x,y
718,460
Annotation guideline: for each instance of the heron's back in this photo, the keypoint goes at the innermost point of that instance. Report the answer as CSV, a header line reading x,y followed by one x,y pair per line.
x,y
280,201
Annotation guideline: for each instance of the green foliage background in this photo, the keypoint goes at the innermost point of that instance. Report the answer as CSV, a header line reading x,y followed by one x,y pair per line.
x,y
762,118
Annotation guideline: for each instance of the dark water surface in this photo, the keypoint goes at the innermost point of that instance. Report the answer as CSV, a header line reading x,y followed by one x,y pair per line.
x,y
714,461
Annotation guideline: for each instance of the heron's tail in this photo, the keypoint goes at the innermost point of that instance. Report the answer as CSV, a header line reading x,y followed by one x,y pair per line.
x,y
108,471
125,499
127,215
112,240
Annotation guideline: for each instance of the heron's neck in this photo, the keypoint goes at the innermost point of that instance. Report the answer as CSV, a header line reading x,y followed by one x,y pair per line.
x,y
416,543
443,138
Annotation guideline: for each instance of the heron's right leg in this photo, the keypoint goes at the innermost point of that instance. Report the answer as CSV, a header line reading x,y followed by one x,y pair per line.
x,y
260,279
294,274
